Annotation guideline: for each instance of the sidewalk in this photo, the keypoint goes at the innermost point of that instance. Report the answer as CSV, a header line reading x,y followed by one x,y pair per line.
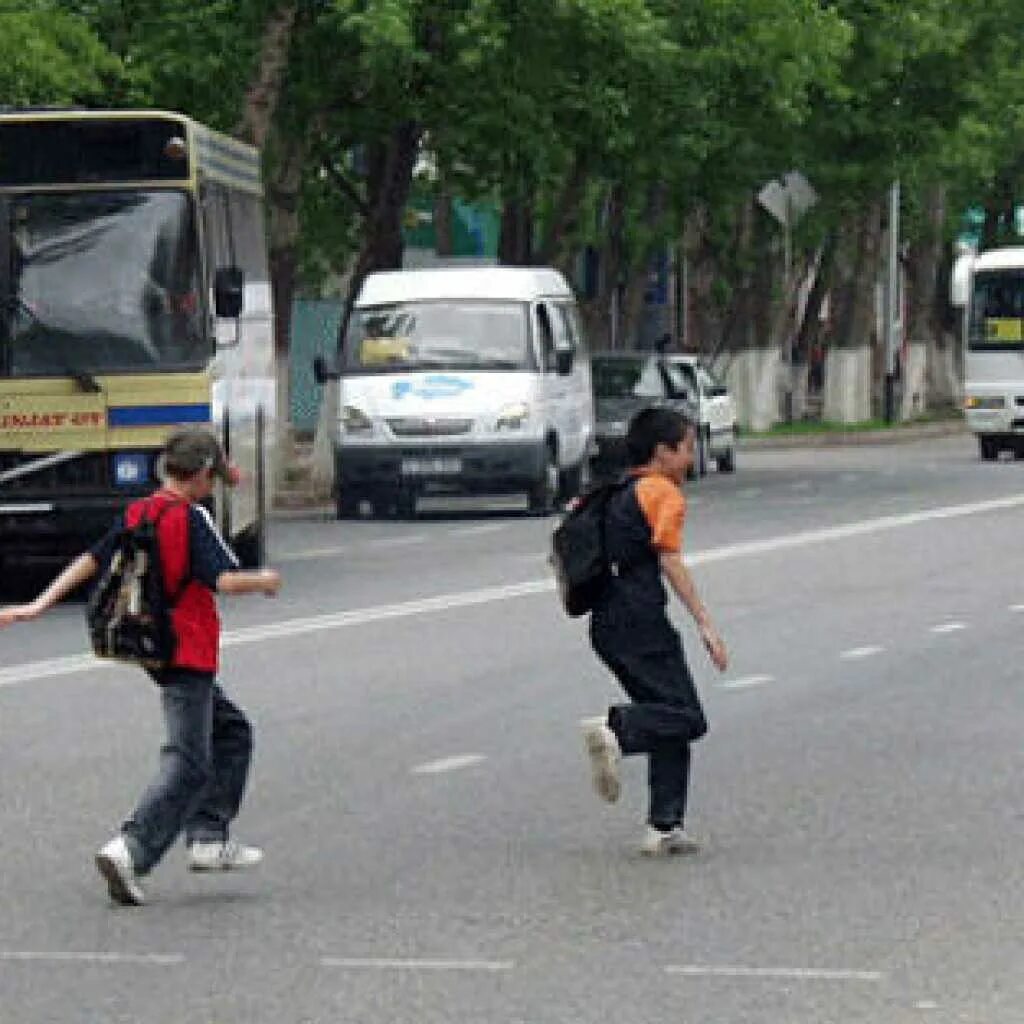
x,y
903,434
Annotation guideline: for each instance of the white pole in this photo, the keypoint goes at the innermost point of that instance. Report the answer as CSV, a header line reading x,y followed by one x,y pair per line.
x,y
891,289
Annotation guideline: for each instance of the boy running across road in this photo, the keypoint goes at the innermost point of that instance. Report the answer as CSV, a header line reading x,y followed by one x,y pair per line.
x,y
204,762
631,633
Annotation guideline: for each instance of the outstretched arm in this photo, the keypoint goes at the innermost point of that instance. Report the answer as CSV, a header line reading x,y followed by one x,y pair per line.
x,y
682,583
80,571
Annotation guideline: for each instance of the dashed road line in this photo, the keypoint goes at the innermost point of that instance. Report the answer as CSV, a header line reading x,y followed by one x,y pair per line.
x,y
857,653
788,973
396,542
448,764
304,556
477,531
389,964
135,959
745,682
948,627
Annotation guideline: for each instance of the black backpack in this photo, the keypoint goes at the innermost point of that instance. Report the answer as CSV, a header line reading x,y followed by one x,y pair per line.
x,y
129,611
578,550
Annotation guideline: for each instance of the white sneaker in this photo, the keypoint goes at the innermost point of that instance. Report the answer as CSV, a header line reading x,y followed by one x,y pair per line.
x,y
115,864
605,754
657,843
219,856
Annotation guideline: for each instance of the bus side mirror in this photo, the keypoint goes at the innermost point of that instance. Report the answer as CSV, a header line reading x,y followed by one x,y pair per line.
x,y
229,292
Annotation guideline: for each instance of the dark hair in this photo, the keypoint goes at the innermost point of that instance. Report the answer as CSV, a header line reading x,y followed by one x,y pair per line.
x,y
651,427
190,451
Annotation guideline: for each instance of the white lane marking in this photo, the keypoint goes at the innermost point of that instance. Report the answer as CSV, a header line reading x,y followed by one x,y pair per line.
x,y
749,492
448,764
387,964
476,531
1017,607
487,595
948,627
154,959
797,973
302,556
396,542
856,653
744,682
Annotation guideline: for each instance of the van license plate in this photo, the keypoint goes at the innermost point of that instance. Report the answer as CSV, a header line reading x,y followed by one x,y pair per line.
x,y
431,467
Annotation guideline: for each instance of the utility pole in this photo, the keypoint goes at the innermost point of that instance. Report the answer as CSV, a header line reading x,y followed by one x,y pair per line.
x,y
891,290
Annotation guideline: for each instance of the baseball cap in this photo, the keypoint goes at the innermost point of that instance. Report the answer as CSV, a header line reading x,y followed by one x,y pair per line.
x,y
188,452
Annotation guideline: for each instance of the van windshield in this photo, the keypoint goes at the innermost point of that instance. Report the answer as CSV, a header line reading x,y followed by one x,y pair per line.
x,y
997,311
445,335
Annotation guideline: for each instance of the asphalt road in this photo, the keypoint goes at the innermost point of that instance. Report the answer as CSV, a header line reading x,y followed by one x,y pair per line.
x,y
434,851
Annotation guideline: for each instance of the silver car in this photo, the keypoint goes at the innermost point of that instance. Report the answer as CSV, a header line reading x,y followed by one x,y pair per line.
x,y
717,412
624,383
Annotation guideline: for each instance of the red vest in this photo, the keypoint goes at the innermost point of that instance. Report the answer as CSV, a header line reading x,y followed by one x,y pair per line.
x,y
194,616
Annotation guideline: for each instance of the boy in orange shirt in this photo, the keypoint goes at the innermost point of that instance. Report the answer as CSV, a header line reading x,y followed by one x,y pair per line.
x,y
631,633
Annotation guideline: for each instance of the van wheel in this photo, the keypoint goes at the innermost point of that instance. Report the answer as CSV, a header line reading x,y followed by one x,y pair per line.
x,y
989,448
543,495
700,458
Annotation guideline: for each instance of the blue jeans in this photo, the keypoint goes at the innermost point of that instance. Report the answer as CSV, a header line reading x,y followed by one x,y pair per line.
x,y
664,717
204,764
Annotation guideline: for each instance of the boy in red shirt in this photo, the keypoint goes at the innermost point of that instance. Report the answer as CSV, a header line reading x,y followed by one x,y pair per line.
x,y
631,633
204,762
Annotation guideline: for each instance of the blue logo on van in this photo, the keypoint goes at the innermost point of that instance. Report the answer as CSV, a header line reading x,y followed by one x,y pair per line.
x,y
434,386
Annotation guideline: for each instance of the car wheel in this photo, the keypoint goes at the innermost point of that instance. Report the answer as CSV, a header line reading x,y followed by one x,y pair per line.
x,y
727,461
577,480
989,448
543,495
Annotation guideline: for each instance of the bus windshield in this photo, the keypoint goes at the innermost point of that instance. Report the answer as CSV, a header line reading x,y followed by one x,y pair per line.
x,y
997,311
443,335
94,282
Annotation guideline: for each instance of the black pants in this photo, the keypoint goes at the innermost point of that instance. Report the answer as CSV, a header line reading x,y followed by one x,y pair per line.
x,y
664,718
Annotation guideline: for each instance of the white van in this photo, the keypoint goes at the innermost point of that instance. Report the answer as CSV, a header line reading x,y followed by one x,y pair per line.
x,y
463,380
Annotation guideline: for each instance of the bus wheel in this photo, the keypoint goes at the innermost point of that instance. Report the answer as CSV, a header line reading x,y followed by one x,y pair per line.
x,y
989,448
347,506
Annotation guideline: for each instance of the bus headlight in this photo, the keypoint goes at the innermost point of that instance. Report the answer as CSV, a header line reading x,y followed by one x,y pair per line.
x,y
985,402
355,421
513,417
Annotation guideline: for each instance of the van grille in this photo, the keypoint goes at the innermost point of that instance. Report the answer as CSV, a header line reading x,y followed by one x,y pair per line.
x,y
416,426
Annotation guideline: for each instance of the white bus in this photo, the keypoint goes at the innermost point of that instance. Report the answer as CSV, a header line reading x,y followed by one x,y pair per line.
x,y
134,299
990,290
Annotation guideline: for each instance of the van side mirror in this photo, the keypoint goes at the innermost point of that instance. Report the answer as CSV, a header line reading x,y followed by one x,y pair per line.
x,y
564,359
229,292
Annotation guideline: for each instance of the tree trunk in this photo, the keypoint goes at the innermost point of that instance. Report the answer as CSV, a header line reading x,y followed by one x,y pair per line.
x,y
515,245
848,372
443,222
264,91
391,163
565,215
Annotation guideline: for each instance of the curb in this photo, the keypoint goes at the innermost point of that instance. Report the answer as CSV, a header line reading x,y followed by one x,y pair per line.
x,y
836,439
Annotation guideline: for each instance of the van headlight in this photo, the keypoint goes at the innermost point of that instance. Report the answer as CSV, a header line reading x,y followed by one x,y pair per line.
x,y
513,417
355,421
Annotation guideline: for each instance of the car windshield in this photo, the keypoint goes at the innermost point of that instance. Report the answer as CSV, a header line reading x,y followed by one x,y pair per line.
x,y
446,335
626,378
997,310
99,281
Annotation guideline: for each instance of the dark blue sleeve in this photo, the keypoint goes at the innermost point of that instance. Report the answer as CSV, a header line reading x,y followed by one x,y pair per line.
x,y
209,555
103,549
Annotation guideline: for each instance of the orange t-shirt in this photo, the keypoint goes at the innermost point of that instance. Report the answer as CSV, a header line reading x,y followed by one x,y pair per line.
x,y
664,507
